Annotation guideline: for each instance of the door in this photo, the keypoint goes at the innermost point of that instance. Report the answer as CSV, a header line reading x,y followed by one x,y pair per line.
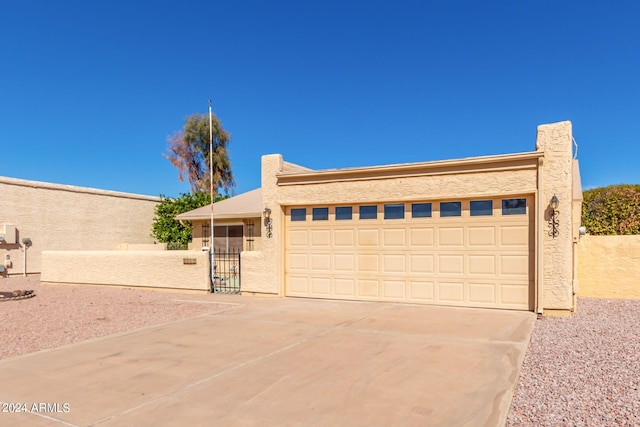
x,y
470,252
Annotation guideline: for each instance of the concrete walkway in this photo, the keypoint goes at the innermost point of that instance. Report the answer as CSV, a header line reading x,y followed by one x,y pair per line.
x,y
281,362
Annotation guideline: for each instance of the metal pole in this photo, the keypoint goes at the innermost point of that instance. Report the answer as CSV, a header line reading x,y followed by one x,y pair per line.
x,y
211,247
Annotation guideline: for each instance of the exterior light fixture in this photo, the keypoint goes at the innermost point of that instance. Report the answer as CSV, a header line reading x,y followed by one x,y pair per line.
x,y
268,223
553,217
582,230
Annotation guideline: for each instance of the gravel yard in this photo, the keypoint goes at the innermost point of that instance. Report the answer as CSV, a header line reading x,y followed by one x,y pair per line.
x,y
65,314
578,371
583,370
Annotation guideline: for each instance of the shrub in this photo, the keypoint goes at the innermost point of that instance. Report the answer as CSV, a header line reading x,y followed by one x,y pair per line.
x,y
166,228
612,210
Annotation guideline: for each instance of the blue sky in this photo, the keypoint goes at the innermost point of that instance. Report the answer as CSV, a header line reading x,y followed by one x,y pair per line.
x,y
89,91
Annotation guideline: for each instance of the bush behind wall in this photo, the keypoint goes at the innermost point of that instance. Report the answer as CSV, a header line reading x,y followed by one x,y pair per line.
x,y
612,210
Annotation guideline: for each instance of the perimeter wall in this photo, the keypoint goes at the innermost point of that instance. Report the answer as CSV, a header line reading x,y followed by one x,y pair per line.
x,y
609,266
188,270
65,217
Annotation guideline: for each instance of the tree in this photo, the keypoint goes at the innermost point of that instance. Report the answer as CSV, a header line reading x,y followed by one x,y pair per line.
x,y
189,153
612,210
166,228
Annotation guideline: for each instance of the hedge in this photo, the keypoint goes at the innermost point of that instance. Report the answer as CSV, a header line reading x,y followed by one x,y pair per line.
x,y
612,210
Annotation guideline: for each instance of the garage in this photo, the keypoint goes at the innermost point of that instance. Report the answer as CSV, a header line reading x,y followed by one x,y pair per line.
x,y
456,252
497,231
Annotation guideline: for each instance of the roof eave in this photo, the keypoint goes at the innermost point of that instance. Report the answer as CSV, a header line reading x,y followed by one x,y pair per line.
x,y
244,215
466,165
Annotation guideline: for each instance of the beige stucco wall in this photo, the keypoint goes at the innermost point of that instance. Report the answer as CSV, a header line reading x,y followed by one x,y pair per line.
x,y
262,269
142,247
609,266
453,185
577,222
158,269
253,277
271,263
555,140
63,217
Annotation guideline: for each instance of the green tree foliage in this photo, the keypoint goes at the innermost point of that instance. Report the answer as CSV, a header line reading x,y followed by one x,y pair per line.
x,y
189,152
612,210
166,228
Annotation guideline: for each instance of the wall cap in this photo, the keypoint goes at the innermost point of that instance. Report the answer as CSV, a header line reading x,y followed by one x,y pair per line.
x,y
74,189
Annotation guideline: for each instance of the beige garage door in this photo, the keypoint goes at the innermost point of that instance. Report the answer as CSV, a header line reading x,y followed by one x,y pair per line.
x,y
474,253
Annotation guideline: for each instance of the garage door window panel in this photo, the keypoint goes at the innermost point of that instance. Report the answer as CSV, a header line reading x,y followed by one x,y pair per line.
x,y
481,207
394,211
514,206
320,214
344,213
421,210
299,214
368,212
450,209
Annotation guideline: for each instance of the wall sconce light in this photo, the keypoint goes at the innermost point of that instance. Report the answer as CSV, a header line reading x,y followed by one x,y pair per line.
x,y
553,218
268,222
582,230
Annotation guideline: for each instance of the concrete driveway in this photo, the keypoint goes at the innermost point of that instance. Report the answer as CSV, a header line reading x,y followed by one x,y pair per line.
x,y
281,362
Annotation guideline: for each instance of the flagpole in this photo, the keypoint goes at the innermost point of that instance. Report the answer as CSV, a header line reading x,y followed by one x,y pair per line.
x,y
211,247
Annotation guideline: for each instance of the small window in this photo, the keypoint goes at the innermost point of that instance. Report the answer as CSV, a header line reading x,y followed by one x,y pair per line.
x,y
514,206
299,214
393,211
421,210
320,214
206,233
450,209
250,234
481,207
344,212
368,212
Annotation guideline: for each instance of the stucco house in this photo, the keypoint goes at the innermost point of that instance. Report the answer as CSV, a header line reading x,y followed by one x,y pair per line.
x,y
236,226
493,231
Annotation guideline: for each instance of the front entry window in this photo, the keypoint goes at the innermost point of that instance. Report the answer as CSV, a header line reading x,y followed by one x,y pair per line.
x,y
227,238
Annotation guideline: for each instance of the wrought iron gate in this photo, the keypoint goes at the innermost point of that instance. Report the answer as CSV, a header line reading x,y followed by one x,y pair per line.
x,y
225,272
